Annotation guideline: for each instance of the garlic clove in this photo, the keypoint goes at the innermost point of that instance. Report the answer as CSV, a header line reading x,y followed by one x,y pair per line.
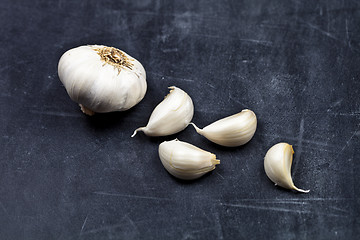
x,y
277,164
102,79
232,131
186,161
170,116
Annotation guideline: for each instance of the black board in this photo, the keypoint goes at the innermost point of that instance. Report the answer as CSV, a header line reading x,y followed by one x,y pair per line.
x,y
64,175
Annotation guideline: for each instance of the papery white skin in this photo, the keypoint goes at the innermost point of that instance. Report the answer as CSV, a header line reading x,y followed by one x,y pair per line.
x,y
170,116
186,161
99,86
277,164
232,131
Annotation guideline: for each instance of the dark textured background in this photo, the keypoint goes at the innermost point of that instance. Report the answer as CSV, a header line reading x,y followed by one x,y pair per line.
x,y
64,175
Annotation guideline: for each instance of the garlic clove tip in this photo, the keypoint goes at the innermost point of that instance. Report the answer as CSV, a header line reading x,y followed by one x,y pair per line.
x,y
198,130
301,190
138,130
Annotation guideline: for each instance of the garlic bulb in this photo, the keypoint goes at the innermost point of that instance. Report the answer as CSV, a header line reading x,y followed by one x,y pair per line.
x,y
185,161
231,131
172,115
102,79
277,164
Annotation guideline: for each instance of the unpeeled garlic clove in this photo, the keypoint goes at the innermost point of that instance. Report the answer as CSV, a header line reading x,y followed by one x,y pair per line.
x,y
171,116
277,164
186,161
232,131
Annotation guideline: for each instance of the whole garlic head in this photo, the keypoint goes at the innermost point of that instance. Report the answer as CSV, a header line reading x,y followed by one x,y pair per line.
x,y
277,164
170,116
232,131
102,79
185,161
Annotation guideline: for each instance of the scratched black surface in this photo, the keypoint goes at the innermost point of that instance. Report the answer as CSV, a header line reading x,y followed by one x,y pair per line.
x,y
294,63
